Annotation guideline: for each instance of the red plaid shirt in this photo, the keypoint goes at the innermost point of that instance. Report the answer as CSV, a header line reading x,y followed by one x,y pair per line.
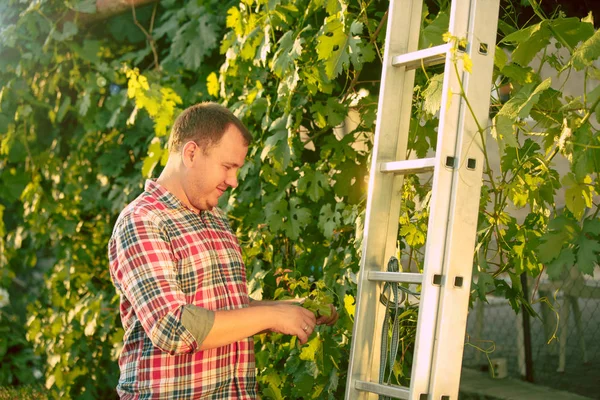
x,y
164,256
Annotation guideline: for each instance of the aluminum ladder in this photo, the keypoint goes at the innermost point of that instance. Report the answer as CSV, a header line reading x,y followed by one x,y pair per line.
x,y
457,178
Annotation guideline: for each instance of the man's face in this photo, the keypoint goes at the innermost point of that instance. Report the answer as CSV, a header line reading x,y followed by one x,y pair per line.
x,y
212,171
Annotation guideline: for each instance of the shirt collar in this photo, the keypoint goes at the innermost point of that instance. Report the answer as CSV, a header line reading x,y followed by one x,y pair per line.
x,y
155,190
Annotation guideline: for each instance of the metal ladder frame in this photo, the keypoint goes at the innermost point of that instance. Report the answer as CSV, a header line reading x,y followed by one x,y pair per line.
x,y
458,168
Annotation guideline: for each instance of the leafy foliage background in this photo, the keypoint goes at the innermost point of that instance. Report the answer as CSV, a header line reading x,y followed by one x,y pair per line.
x,y
85,108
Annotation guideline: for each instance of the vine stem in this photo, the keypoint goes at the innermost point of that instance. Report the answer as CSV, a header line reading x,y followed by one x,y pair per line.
x,y
587,116
584,120
536,9
148,35
371,41
480,129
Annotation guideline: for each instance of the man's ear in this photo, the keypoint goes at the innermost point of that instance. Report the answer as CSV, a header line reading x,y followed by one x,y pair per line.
x,y
188,152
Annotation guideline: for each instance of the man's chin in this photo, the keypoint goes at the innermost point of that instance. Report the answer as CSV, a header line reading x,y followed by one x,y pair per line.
x,y
205,206
210,206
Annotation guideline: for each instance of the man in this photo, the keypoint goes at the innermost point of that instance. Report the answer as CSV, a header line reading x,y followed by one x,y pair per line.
x,y
178,269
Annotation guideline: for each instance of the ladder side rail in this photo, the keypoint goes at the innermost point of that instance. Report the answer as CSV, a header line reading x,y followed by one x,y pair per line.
x,y
461,237
439,214
381,219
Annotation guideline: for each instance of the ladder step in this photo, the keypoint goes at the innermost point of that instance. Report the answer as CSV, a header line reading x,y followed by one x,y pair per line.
x,y
399,392
408,166
401,277
426,57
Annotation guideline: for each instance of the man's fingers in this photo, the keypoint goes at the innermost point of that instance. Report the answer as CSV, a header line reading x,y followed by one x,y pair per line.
x,y
331,319
303,337
310,316
337,316
309,327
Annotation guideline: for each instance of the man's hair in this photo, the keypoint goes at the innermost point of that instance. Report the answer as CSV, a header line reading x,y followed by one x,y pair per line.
x,y
205,124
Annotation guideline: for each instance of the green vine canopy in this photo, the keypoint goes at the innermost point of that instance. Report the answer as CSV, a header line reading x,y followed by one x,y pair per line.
x,y
85,109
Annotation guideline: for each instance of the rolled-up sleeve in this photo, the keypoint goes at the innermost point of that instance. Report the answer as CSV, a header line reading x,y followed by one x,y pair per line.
x,y
144,271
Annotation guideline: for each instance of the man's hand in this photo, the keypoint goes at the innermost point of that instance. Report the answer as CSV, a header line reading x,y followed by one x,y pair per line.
x,y
293,320
329,320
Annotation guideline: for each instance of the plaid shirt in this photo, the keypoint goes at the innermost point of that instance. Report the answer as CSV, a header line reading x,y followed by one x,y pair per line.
x,y
164,256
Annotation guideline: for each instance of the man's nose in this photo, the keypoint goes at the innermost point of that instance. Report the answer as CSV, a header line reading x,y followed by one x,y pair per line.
x,y
232,181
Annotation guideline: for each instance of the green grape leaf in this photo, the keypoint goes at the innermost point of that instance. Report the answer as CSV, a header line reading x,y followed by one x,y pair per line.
x,y
303,383
168,27
154,154
357,52
252,43
504,130
212,84
329,219
84,6
587,255
414,234
69,30
521,103
561,232
318,308
338,49
562,263
519,74
298,219
333,7
62,110
13,183
336,112
588,52
274,212
519,106
288,50
319,113
331,114
84,104
433,94
273,392
349,305
578,194
88,51
432,34
331,47
591,227
533,98
112,162
485,284
592,97
194,41
278,148
313,183
505,28
234,20
500,58
572,30
529,41
272,378
310,349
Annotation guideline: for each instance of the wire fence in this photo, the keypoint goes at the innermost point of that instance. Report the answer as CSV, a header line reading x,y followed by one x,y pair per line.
x,y
570,362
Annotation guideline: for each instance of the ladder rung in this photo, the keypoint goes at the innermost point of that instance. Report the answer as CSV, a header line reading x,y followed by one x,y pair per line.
x,y
402,277
408,166
386,390
426,57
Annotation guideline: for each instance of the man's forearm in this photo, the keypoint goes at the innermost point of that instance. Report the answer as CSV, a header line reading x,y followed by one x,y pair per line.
x,y
233,325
